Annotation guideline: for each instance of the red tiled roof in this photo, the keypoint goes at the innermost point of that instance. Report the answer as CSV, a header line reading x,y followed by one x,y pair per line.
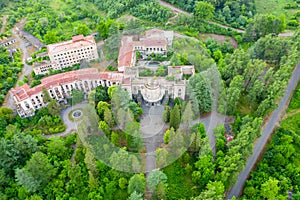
x,y
154,43
23,92
77,41
126,51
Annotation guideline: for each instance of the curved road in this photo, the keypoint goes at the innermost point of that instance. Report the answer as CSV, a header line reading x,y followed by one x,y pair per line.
x,y
21,44
179,10
271,125
70,125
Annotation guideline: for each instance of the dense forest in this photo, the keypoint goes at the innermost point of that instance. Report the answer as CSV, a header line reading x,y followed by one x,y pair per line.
x,y
277,174
235,13
246,80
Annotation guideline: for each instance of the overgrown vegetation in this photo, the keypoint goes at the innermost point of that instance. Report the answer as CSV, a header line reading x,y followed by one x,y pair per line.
x,y
253,79
9,70
235,13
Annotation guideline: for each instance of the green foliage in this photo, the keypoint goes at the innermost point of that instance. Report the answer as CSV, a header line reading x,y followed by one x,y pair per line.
x,y
166,114
146,72
155,177
200,94
161,71
57,147
8,72
240,148
135,196
137,183
234,13
77,96
151,11
46,95
277,8
188,51
180,185
101,107
51,37
275,173
37,172
271,49
215,190
269,189
295,102
16,151
82,29
263,25
175,117
204,10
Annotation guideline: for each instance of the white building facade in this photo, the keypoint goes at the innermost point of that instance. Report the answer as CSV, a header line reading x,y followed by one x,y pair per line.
x,y
68,53
59,86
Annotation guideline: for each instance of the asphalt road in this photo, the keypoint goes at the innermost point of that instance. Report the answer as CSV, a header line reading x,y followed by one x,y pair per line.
x,y
270,126
70,125
25,71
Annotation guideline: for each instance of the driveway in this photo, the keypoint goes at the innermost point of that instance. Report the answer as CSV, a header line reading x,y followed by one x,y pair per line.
x,y
70,125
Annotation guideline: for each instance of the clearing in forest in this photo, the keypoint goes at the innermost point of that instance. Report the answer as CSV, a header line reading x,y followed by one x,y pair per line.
x,y
275,7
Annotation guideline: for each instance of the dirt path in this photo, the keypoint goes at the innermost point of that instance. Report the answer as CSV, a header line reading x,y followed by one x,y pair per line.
x,y
221,39
292,113
4,22
179,10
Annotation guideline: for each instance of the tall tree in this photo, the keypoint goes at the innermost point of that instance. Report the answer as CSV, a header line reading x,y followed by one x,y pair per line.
x,y
53,107
166,114
51,37
108,117
233,93
263,25
46,95
270,188
204,10
200,94
187,117
215,190
37,172
175,117
155,177
77,96
137,183
83,29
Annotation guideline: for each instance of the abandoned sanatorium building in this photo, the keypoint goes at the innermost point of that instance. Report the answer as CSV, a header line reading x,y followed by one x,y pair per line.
x,y
68,53
150,90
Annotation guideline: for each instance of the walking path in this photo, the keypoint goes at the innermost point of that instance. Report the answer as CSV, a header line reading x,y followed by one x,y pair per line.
x,y
292,114
179,10
267,131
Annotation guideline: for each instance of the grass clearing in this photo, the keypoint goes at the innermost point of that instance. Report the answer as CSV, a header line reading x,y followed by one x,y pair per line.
x,y
275,7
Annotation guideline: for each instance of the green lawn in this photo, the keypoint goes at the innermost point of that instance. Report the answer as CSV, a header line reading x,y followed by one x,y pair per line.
x,y
275,7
